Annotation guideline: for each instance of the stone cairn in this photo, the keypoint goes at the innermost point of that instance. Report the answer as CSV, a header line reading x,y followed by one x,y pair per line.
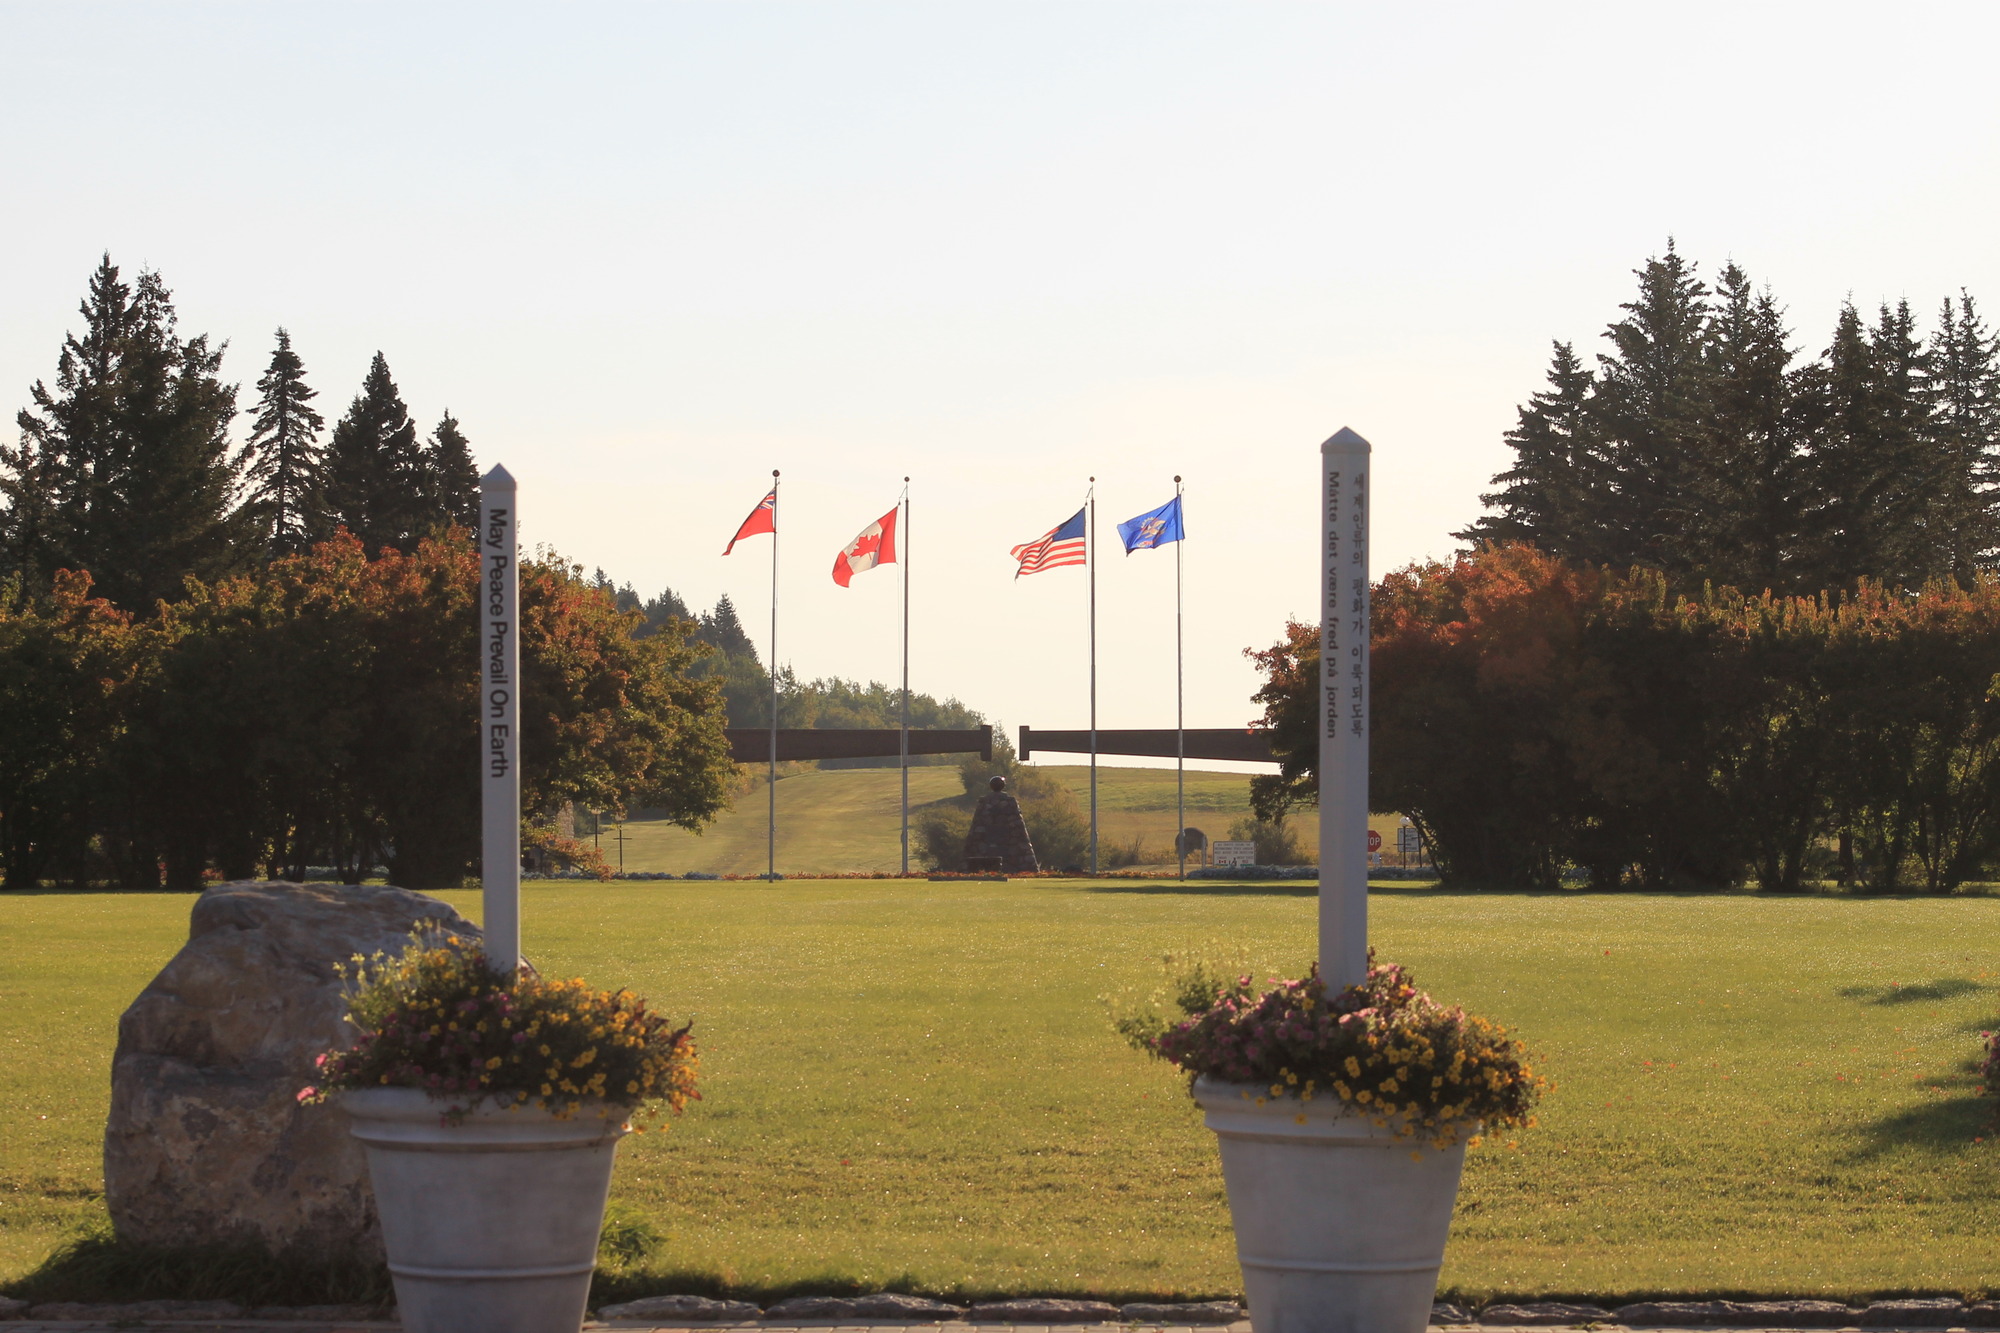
x,y
998,840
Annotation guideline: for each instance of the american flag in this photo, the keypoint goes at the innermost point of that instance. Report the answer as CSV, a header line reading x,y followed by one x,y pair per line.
x,y
1059,546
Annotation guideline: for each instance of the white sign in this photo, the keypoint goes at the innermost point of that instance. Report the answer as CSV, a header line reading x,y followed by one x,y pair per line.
x,y
1235,853
499,713
1408,841
1343,731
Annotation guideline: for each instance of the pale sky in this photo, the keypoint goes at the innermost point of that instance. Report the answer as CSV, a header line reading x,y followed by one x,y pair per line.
x,y
648,253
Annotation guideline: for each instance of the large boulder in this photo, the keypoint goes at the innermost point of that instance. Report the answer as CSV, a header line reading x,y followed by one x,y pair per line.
x,y
207,1141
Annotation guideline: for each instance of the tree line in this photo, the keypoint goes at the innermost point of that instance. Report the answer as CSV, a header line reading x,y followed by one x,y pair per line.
x,y
1702,445
124,467
734,664
1733,615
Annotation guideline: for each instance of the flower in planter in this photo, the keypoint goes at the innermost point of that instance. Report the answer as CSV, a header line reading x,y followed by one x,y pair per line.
x,y
437,1018
1382,1049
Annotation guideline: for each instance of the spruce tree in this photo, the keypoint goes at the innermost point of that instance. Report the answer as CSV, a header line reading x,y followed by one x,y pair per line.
x,y
724,631
284,451
451,480
1964,419
124,468
1552,495
1650,407
372,481
1748,474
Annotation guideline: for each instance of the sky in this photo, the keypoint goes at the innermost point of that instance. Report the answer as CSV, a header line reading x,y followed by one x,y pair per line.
x,y
646,254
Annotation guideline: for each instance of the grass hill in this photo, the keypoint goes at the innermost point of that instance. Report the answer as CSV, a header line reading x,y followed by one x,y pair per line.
x,y
838,820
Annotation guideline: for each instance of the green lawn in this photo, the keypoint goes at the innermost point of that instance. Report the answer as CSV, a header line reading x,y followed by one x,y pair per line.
x,y
912,1082
832,821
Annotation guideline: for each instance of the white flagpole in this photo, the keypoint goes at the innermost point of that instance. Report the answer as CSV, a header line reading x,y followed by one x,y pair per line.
x,y
500,652
904,741
1090,558
1180,698
771,782
1343,732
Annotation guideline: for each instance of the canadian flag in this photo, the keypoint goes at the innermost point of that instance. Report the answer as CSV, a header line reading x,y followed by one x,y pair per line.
x,y
875,546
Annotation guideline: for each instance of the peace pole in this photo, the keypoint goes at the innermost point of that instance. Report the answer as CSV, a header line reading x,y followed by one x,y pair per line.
x,y
1343,732
500,760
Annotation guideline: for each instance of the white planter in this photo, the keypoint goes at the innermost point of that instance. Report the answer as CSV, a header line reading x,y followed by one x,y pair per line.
x,y
491,1224
1338,1229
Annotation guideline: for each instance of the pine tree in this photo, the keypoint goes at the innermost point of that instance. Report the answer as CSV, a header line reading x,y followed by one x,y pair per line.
x,y
1650,405
451,480
1550,497
1749,475
124,469
372,481
284,451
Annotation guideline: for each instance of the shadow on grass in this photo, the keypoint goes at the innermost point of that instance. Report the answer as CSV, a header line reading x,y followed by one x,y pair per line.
x,y
1945,988
96,1266
1945,1126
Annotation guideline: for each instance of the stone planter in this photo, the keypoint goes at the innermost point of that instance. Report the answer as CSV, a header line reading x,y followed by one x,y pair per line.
x,y
491,1225
1338,1229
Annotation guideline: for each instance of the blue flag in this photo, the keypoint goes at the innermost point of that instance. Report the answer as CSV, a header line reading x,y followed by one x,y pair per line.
x,y
1155,527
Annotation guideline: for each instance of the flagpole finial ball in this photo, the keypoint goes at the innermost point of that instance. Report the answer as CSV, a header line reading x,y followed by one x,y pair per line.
x,y
1177,477
774,472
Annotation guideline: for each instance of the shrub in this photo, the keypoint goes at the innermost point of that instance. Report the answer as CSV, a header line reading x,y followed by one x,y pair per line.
x,y
438,1018
1277,841
1383,1048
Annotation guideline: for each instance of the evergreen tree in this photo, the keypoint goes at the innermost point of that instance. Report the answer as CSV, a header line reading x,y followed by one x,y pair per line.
x,y
1552,495
1650,407
451,480
1872,470
721,629
1965,438
284,451
659,610
372,481
124,468
1749,479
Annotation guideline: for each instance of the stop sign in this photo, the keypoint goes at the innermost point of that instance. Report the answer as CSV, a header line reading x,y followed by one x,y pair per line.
x,y
1374,841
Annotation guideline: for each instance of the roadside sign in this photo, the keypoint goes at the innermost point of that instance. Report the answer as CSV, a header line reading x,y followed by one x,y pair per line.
x,y
1374,841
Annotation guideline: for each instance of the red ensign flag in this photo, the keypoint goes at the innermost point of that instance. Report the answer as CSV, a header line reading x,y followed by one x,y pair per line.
x,y
875,546
762,519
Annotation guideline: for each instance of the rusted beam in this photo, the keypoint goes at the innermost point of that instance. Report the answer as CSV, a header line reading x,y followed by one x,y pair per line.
x,y
1239,743
752,745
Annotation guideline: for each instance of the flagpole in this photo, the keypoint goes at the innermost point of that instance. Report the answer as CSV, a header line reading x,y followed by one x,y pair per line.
x,y
1091,560
904,743
1180,698
771,782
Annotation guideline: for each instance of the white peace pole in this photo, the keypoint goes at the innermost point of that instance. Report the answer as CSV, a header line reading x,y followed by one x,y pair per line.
x,y
1343,732
500,709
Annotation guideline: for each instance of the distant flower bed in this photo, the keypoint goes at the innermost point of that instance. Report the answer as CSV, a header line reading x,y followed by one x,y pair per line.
x,y
1382,1049
438,1019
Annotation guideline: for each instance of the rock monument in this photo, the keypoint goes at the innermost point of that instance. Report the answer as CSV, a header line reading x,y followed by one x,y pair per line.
x,y
998,840
207,1141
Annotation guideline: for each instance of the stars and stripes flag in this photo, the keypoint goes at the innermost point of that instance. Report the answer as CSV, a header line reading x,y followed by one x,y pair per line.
x,y
1059,546
764,518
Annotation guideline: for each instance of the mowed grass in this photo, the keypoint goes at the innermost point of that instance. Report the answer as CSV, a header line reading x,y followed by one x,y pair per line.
x,y
833,821
913,1083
